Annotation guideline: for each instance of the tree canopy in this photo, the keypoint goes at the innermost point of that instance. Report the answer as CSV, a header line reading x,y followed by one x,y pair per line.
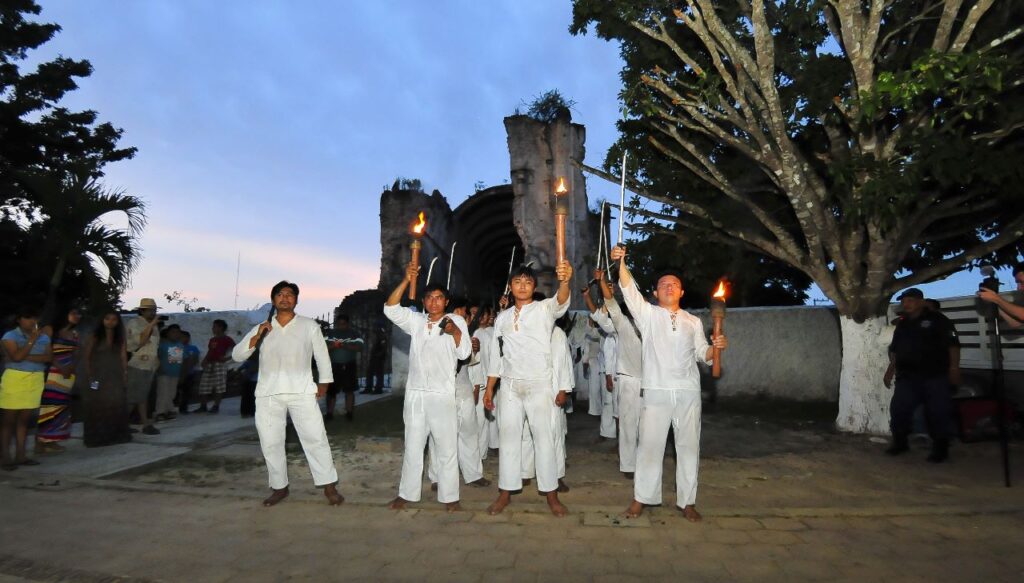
x,y
870,145
50,159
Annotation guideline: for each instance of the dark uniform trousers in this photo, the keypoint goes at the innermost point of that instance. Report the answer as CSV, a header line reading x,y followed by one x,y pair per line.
x,y
934,393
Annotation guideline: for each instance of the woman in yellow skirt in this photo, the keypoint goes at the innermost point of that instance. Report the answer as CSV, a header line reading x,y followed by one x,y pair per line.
x,y
27,350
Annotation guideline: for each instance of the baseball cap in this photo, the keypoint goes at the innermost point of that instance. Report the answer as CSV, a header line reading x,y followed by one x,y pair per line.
x,y
912,292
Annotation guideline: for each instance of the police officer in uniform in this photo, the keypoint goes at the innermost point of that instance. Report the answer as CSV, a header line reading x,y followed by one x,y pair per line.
x,y
925,358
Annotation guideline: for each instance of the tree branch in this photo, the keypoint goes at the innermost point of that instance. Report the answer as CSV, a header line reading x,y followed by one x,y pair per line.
x,y
1011,234
967,30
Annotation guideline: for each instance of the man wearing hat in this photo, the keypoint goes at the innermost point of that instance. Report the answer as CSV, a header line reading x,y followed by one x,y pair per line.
x,y
143,341
925,358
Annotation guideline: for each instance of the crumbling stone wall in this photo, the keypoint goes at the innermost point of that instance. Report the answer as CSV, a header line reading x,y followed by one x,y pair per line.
x,y
540,153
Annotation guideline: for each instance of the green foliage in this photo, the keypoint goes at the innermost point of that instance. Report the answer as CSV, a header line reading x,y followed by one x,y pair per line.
x,y
38,134
413,184
549,107
53,247
919,166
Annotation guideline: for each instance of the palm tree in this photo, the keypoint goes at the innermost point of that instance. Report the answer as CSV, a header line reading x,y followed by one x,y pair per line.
x,y
72,208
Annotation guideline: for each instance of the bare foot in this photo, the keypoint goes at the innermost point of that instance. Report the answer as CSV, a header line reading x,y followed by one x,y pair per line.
x,y
398,503
635,510
691,514
334,498
527,481
481,483
503,500
453,507
556,506
562,486
275,496
433,486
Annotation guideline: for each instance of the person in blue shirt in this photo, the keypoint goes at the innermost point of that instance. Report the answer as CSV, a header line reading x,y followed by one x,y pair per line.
x,y
26,351
171,354
189,374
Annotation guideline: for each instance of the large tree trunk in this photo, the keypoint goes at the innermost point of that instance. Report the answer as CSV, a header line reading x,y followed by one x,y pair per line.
x,y
863,398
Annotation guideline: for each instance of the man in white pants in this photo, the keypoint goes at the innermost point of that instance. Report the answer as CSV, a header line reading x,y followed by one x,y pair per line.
x,y
562,379
521,351
672,343
605,364
466,397
627,381
288,343
438,342
478,376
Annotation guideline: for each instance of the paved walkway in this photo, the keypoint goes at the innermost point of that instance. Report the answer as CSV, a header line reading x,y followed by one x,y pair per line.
x,y
782,503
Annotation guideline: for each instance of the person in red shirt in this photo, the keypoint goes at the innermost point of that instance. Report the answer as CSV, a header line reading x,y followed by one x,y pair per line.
x,y
215,368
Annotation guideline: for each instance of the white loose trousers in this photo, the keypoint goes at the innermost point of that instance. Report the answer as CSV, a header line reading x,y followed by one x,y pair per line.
x,y
430,415
595,388
528,461
628,389
532,402
661,409
483,427
608,408
272,413
470,463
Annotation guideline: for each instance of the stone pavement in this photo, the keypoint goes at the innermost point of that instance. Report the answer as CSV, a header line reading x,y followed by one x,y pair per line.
x,y
783,503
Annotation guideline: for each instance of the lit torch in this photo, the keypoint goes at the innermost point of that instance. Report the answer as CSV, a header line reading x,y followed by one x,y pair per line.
x,y
718,316
419,228
561,212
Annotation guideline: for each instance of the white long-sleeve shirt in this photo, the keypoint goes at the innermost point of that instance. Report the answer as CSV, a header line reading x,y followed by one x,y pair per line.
x,y
562,377
521,346
285,357
432,354
628,350
669,355
478,369
609,342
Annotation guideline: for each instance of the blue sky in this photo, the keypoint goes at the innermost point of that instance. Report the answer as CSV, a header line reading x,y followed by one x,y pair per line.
x,y
269,128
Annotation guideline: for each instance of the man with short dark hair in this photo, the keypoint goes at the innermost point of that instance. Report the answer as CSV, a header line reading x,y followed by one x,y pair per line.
x,y
924,357
437,342
672,342
288,344
1012,313
521,359
344,345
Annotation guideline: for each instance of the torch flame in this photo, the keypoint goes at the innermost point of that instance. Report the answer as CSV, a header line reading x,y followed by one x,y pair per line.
x,y
418,227
720,293
561,188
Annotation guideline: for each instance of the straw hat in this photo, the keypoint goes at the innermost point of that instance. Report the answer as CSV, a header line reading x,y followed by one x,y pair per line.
x,y
147,303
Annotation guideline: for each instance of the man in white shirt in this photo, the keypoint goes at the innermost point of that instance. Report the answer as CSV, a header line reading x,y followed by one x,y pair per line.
x,y
562,379
672,343
521,356
466,398
288,343
478,376
627,381
438,343
605,373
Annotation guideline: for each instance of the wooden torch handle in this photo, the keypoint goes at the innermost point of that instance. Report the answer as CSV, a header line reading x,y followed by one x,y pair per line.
x,y
415,248
716,354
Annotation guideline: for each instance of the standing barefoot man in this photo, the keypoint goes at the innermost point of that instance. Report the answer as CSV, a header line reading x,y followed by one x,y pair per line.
x,y
285,389
521,356
672,341
438,343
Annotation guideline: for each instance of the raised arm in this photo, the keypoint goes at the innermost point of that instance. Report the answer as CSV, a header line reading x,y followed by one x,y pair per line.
x,y
396,295
564,274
